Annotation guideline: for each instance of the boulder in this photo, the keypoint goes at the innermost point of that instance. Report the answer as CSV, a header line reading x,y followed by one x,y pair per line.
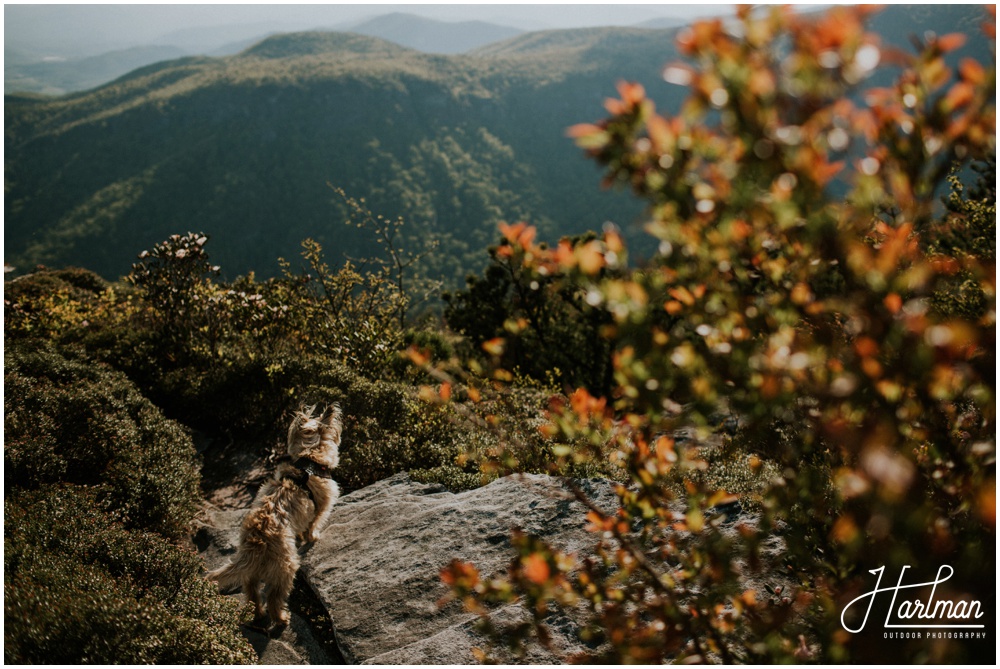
x,y
377,566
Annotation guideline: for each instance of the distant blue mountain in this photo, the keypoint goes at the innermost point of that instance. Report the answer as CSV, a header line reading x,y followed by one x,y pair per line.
x,y
431,36
67,76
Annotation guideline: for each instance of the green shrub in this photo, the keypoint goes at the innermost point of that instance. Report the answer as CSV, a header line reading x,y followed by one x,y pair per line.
x,y
81,588
967,231
52,303
550,329
171,276
250,400
97,486
66,420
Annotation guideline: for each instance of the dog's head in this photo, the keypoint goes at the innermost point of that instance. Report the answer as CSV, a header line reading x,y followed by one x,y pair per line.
x,y
317,438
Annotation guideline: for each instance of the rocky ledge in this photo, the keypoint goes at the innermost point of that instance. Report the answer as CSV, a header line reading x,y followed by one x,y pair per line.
x,y
376,569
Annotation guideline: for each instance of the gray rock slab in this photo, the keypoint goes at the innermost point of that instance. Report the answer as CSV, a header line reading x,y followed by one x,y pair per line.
x,y
454,644
377,566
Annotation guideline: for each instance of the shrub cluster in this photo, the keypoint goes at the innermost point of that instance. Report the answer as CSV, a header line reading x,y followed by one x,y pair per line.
x,y
98,481
81,588
97,484
232,359
551,331
66,420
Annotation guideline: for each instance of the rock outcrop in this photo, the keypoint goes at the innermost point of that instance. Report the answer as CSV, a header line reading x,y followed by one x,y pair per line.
x,y
377,567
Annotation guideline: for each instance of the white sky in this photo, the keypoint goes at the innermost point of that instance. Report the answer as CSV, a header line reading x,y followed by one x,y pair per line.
x,y
88,29
133,24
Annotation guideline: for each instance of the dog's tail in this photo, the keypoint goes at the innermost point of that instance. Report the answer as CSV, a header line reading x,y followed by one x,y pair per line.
x,y
232,574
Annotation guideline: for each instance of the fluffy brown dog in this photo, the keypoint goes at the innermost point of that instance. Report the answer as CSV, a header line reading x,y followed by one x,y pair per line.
x,y
295,503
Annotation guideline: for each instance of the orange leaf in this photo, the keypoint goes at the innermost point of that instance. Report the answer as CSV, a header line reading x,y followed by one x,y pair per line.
x,y
512,232
527,236
866,346
959,95
822,171
871,367
682,294
417,357
582,402
613,241
770,386
536,568
661,134
893,302
590,258
740,229
665,449
583,130
950,42
615,107
563,255
598,523
987,502
445,391
460,571
632,93
844,530
494,346
972,71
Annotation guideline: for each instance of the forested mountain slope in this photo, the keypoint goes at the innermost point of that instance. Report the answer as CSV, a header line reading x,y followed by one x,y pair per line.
x,y
244,147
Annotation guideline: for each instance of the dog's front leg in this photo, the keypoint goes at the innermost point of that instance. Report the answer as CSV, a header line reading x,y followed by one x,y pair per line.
x,y
325,493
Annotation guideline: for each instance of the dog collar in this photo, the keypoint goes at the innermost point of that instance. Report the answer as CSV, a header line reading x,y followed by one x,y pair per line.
x,y
313,468
309,466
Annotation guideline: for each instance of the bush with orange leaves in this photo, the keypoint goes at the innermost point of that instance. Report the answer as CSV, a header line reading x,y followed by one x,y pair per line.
x,y
795,267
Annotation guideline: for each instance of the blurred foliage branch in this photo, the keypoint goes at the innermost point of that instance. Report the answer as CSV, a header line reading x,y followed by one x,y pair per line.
x,y
809,315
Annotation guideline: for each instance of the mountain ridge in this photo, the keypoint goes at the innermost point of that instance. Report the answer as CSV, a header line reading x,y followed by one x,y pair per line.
x,y
432,35
314,43
243,146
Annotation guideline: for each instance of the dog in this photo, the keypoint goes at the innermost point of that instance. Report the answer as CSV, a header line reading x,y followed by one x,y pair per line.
x,y
294,503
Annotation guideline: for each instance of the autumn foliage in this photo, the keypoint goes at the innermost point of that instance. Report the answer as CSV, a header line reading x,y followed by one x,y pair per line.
x,y
797,287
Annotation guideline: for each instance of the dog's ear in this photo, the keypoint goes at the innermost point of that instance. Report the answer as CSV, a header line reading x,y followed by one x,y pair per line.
x,y
332,419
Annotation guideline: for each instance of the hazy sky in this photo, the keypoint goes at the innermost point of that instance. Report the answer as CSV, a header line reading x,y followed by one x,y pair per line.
x,y
96,28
